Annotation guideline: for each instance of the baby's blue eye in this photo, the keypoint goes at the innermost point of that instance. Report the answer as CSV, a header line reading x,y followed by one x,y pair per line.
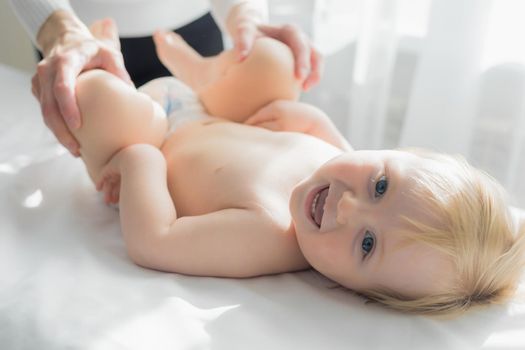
x,y
368,243
381,186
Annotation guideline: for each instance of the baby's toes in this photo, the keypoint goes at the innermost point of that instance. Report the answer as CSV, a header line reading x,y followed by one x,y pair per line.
x,y
97,28
168,44
106,30
168,40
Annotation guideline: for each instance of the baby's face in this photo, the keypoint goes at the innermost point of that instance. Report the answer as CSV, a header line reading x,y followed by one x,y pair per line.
x,y
347,217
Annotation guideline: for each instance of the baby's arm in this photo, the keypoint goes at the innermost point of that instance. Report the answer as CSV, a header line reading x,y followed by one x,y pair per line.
x,y
232,242
299,117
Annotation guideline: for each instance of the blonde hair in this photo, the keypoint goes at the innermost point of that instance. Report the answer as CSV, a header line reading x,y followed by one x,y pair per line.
x,y
476,232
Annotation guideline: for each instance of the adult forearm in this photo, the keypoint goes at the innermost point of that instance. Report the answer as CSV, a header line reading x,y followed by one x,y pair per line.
x,y
33,13
222,10
58,27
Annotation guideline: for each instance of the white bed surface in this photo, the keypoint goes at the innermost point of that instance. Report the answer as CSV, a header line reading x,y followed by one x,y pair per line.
x,y
66,282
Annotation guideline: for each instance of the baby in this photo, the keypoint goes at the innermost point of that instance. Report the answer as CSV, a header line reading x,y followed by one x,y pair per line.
x,y
231,197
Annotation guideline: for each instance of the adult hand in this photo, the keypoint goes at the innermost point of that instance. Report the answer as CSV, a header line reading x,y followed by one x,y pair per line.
x,y
245,26
70,48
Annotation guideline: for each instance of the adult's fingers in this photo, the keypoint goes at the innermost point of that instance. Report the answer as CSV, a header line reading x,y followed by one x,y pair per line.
x,y
64,135
113,62
300,48
52,116
54,121
66,76
316,71
64,91
244,37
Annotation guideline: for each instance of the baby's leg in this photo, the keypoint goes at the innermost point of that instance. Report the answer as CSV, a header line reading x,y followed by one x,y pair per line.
x,y
114,115
228,88
266,75
182,60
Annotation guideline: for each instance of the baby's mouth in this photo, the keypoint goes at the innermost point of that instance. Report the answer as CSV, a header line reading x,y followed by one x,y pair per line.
x,y
317,207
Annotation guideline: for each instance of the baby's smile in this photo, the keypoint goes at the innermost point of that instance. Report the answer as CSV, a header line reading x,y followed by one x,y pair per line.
x,y
317,205
321,205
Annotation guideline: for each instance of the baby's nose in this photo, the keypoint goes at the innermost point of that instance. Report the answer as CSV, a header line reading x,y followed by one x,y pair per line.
x,y
346,207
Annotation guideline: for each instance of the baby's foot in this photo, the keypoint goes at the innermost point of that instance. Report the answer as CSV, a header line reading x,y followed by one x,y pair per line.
x,y
106,31
181,60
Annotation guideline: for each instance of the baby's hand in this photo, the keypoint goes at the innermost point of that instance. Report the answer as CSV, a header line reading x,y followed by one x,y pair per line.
x,y
284,115
109,180
281,115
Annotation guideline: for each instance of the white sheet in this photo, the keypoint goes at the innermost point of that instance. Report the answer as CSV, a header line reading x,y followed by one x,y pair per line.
x,y
65,280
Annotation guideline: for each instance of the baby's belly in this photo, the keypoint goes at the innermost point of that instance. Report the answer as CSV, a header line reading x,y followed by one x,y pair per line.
x,y
208,171
198,189
215,164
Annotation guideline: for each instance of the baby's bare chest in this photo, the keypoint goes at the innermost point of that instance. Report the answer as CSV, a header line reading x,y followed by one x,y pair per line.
x,y
232,166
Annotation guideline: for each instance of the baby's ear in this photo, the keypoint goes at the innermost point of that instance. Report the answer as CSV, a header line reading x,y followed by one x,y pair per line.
x,y
106,31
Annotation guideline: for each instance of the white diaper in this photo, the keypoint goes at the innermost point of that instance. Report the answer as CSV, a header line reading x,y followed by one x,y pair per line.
x,y
179,101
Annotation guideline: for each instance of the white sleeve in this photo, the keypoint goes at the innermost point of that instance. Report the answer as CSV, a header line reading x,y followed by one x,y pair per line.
x,y
33,13
221,8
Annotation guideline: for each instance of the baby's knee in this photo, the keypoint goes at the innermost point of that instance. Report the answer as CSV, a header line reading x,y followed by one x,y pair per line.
x,y
98,94
266,75
272,60
271,68
114,115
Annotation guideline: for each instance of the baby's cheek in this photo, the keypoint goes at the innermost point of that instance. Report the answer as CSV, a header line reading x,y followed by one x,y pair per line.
x,y
326,252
